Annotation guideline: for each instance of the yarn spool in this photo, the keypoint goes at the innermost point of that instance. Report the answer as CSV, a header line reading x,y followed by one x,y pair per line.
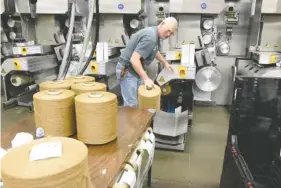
x,y
80,79
59,84
80,88
54,112
96,117
68,170
149,98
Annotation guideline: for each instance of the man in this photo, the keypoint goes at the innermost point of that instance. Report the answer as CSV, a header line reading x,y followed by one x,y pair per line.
x,y
140,51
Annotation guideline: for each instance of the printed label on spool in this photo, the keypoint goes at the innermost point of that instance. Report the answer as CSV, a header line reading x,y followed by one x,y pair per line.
x,y
95,95
45,151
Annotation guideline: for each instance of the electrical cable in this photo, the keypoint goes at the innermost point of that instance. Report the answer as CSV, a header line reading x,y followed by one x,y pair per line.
x,y
68,43
95,42
87,35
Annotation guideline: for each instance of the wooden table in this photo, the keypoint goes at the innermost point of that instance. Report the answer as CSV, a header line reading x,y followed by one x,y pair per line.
x,y
104,161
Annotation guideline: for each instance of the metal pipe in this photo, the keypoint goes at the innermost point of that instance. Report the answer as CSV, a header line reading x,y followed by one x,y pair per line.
x,y
68,42
32,6
87,35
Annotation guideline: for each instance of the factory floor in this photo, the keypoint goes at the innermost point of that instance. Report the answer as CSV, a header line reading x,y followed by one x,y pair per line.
x,y
199,166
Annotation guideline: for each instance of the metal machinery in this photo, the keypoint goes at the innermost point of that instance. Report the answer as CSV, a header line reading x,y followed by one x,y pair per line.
x,y
29,32
265,42
192,52
108,31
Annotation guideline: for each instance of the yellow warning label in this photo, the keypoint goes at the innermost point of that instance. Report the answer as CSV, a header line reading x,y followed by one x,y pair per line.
x,y
182,70
3,71
94,67
161,79
95,54
273,59
178,55
17,64
23,51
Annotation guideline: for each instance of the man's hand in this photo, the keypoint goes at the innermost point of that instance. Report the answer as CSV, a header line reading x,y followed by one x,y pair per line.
x,y
160,58
148,83
168,66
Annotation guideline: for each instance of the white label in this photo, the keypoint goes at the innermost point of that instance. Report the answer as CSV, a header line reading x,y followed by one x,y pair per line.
x,y
46,150
129,177
139,161
152,137
149,147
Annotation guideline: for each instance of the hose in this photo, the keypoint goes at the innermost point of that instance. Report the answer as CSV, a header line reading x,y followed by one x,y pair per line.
x,y
68,43
87,35
95,42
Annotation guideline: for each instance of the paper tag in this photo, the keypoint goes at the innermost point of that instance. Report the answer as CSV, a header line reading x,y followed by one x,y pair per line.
x,y
152,137
129,177
139,161
45,151
149,147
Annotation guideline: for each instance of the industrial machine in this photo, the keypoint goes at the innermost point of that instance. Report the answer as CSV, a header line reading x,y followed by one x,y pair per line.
x,y
265,43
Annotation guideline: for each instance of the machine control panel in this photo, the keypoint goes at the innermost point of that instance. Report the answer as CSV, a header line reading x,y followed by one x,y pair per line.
x,y
179,72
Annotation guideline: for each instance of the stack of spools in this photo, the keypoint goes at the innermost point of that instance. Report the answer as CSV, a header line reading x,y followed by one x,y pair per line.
x,y
87,109
70,169
149,98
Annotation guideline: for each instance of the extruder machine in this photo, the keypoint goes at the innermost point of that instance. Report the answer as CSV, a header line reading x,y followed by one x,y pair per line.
x,y
264,42
29,32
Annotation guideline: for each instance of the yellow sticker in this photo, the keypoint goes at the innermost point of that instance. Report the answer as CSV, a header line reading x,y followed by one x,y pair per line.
x,y
17,64
273,59
94,67
3,71
95,54
23,51
182,70
162,79
178,55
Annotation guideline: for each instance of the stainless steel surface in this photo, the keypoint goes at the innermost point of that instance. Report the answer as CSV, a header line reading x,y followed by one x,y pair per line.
x,y
121,6
251,69
238,39
110,23
271,6
31,50
201,7
43,6
254,27
47,26
31,64
188,31
223,94
208,78
271,36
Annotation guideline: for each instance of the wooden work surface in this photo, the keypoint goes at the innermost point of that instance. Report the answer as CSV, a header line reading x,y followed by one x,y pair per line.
x,y
104,161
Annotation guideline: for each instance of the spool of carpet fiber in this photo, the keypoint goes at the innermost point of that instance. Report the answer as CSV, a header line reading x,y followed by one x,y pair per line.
x,y
149,98
47,163
96,117
54,112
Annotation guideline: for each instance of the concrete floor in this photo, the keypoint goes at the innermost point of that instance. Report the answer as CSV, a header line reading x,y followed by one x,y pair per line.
x,y
199,166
